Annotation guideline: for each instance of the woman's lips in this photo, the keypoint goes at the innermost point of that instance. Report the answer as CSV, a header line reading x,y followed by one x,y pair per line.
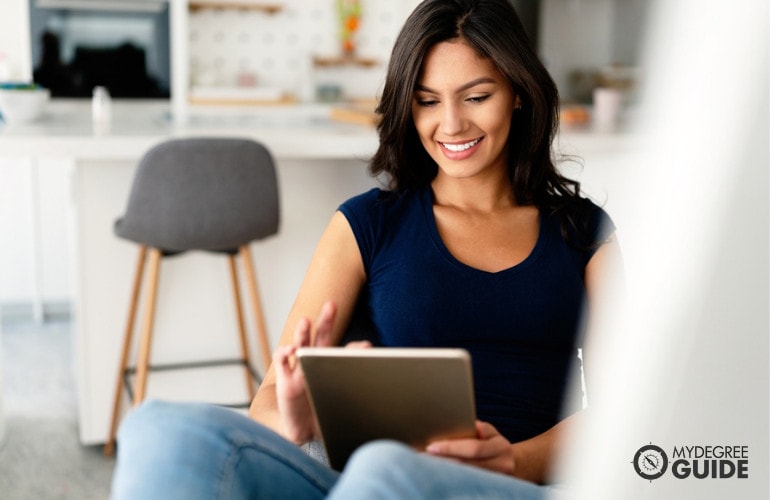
x,y
460,150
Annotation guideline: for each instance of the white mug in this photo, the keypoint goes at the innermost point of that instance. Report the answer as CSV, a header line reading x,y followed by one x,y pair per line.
x,y
607,106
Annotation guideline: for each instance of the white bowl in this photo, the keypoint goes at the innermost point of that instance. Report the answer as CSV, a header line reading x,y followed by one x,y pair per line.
x,y
23,105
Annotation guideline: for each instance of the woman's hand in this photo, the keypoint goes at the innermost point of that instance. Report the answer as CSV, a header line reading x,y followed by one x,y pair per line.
x,y
296,416
489,450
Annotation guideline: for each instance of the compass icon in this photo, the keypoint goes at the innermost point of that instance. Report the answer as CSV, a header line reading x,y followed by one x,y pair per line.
x,y
650,462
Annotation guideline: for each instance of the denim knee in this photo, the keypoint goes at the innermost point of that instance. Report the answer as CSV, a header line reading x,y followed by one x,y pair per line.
x,y
386,470
153,413
148,411
370,457
380,470
197,450
137,419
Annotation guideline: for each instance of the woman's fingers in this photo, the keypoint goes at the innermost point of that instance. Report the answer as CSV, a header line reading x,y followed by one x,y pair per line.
x,y
302,333
487,443
281,358
489,450
285,365
297,421
325,324
486,430
358,344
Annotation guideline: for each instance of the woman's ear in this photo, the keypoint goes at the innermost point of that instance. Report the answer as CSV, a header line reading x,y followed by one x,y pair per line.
x,y
517,102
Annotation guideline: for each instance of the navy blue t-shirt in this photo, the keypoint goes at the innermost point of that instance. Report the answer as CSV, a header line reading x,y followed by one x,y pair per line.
x,y
521,325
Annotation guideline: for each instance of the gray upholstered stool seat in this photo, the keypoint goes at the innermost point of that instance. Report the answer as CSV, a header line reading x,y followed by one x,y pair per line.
x,y
210,194
202,194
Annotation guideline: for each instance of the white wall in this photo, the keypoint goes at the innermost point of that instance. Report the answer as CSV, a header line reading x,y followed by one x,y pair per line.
x,y
34,231
575,34
16,231
14,38
589,34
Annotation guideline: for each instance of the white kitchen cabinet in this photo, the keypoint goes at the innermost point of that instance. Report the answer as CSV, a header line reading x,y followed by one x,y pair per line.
x,y
34,227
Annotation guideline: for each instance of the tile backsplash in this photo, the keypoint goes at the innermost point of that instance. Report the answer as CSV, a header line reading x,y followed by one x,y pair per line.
x,y
232,46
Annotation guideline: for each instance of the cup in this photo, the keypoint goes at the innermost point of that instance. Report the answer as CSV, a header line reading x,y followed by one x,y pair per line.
x,y
607,107
101,105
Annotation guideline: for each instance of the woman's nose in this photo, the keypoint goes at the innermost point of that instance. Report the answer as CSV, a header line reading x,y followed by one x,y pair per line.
x,y
452,120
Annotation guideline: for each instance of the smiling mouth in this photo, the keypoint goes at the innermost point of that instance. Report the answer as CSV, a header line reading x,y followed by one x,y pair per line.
x,y
461,146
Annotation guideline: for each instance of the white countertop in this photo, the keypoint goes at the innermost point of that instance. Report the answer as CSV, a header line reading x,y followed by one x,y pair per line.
x,y
295,132
302,131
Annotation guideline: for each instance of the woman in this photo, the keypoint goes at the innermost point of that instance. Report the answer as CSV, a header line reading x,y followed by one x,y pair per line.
x,y
479,243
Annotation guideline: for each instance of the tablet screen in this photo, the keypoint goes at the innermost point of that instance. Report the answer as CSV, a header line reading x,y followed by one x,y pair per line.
x,y
412,395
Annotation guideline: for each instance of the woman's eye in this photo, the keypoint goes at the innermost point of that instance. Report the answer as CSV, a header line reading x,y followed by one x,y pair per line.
x,y
426,102
478,98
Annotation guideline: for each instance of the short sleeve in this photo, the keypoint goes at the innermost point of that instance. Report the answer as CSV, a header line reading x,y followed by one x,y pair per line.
x,y
364,218
600,227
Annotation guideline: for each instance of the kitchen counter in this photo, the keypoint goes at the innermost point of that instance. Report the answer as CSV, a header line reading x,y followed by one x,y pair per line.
x,y
292,132
320,163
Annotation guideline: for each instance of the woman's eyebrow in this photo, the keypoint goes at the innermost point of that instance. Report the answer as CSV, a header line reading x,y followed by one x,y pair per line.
x,y
478,81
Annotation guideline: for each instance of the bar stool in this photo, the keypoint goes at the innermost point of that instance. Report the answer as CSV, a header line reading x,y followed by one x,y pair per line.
x,y
210,194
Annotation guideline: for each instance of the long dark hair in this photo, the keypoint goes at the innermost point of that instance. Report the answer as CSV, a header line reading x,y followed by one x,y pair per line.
x,y
494,30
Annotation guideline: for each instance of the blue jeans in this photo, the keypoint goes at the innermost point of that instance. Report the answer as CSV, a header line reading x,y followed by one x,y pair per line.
x,y
385,470
198,451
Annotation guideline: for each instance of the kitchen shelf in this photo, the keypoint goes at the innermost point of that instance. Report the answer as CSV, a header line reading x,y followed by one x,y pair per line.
x,y
270,8
326,62
360,112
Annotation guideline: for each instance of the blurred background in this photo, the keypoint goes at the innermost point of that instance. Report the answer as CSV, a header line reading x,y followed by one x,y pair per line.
x,y
665,103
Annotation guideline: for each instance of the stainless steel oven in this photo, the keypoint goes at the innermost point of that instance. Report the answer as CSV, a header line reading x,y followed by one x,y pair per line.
x,y
123,45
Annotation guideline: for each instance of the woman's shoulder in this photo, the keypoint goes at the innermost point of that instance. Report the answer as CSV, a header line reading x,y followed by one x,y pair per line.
x,y
375,214
583,224
365,199
580,211
380,201
591,213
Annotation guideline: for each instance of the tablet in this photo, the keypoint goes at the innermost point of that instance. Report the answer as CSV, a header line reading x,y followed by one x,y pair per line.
x,y
412,395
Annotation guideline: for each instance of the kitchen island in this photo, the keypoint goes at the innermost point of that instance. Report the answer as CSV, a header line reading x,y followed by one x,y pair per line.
x,y
320,163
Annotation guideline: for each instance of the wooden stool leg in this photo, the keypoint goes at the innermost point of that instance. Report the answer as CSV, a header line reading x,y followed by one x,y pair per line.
x,y
259,318
145,343
241,327
109,447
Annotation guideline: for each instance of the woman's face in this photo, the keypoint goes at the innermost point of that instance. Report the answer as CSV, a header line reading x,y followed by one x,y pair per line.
x,y
462,107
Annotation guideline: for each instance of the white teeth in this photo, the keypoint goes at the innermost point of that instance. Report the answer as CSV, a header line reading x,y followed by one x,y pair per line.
x,y
461,147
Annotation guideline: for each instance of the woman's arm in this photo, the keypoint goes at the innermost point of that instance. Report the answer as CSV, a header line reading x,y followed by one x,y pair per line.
x,y
604,274
328,292
605,288
533,459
